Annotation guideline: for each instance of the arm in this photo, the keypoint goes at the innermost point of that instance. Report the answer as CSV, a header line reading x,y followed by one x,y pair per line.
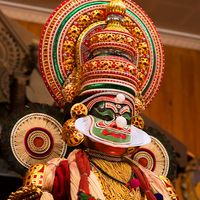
x,y
50,181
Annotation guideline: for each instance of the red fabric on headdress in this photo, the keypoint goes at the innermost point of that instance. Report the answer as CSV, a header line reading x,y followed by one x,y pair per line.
x,y
83,165
61,185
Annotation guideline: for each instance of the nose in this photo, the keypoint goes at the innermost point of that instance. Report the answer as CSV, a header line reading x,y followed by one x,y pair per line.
x,y
121,122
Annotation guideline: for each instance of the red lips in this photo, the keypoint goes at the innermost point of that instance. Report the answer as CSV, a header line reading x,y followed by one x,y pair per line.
x,y
115,135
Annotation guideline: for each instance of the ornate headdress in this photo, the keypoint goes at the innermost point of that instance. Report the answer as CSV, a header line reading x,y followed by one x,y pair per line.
x,y
92,46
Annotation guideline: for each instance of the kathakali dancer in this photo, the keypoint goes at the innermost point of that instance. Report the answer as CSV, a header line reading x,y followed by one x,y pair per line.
x,y
104,60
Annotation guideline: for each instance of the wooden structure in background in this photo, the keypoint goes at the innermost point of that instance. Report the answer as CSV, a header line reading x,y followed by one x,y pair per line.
x,y
176,108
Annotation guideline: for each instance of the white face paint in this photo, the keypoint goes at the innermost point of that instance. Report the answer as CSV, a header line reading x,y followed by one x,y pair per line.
x,y
138,136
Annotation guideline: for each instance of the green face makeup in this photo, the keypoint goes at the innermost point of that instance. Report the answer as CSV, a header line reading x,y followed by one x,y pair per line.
x,y
109,111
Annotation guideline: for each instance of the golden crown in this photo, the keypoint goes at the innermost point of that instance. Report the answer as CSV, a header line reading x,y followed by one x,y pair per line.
x,y
114,38
100,45
116,7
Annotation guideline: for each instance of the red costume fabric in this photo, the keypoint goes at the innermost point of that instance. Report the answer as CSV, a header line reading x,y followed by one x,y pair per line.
x,y
144,183
84,169
61,186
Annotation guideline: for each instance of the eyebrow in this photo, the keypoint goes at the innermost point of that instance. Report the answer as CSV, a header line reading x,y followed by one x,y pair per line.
x,y
112,106
124,109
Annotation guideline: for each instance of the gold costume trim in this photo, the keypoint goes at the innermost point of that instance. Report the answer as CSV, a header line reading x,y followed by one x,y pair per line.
x,y
25,193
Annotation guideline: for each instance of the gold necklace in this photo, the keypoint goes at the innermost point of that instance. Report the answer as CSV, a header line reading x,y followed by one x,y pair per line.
x,y
114,177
